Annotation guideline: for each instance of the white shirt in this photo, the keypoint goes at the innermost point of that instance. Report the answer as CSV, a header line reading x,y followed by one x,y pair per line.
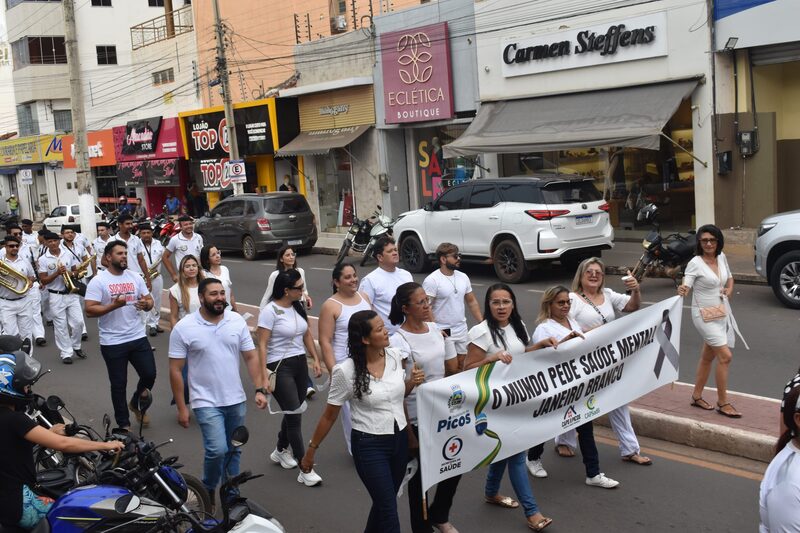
x,y
429,351
448,293
225,278
77,249
31,239
212,353
587,317
271,286
180,247
481,337
48,264
152,252
551,328
134,249
380,287
779,495
287,328
22,265
99,246
194,300
123,324
377,411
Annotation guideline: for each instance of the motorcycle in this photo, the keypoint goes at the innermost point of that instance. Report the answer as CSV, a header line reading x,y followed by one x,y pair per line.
x,y
362,235
663,255
169,229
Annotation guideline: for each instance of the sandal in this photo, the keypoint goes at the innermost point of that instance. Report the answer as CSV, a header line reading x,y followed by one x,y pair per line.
x,y
734,414
701,403
503,501
564,451
637,459
541,524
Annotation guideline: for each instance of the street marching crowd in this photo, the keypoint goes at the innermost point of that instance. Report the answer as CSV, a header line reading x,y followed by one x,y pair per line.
x,y
380,338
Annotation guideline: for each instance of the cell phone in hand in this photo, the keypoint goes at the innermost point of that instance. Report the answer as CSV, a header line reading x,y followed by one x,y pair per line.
x,y
446,332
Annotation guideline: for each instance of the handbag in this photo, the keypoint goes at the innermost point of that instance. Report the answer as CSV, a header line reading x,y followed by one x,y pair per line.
x,y
714,312
272,377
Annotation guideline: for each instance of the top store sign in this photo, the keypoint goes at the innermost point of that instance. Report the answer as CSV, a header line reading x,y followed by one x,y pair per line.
x,y
631,39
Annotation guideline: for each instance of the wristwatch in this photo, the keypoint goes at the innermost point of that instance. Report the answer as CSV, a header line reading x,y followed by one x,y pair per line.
x,y
263,391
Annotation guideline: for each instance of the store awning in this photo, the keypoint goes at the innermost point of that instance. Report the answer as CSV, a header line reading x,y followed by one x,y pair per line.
x,y
321,141
632,116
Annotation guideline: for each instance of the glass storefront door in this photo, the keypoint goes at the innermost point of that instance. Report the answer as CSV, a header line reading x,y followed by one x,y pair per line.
x,y
335,190
435,174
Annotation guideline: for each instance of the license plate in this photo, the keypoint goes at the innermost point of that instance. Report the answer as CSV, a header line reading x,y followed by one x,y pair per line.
x,y
582,220
295,242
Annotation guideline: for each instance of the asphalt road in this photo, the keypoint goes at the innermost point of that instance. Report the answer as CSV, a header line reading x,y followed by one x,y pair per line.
x,y
686,489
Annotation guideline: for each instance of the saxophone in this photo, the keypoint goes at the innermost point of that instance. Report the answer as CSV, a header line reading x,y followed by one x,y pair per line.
x,y
154,270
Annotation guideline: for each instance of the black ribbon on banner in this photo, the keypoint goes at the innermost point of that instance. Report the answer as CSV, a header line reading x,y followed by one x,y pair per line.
x,y
667,349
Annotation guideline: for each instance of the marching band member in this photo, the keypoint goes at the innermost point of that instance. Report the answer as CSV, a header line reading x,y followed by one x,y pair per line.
x,y
77,247
12,305
153,252
187,242
136,262
44,295
65,308
33,308
29,238
99,245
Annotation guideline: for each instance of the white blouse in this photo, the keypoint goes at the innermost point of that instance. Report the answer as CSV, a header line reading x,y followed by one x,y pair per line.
x,y
551,328
377,411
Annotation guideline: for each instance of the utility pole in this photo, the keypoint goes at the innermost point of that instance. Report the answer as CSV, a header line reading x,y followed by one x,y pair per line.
x,y
80,144
222,70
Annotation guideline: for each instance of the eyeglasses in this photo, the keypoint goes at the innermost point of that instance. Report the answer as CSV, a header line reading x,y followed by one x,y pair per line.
x,y
708,241
12,245
298,288
566,303
501,303
595,273
423,302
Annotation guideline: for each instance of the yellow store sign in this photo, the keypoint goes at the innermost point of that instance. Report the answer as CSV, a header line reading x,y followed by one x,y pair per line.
x,y
30,150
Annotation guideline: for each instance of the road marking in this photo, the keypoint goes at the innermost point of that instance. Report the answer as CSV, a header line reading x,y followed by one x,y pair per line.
x,y
323,269
478,285
738,472
235,261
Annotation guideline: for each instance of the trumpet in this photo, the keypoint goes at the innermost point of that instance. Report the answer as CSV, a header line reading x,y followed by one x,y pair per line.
x,y
13,280
83,268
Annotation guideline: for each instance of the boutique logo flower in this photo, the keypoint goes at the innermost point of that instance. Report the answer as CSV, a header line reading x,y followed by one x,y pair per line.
x,y
414,54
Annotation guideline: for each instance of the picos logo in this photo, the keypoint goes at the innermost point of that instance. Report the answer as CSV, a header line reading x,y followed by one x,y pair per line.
x,y
571,417
457,398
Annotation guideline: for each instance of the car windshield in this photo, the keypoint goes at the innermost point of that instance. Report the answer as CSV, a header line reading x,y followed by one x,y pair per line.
x,y
570,192
279,206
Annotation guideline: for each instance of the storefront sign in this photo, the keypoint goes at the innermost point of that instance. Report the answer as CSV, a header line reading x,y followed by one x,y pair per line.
x,y
334,110
340,108
30,150
236,171
162,173
141,136
167,142
210,174
626,40
100,148
207,137
130,174
417,85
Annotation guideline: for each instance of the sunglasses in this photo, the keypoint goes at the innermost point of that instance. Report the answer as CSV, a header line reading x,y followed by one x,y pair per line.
x,y
708,241
298,288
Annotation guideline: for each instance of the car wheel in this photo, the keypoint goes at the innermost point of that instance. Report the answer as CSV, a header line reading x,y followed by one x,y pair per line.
x,y
412,254
785,279
343,251
509,263
249,248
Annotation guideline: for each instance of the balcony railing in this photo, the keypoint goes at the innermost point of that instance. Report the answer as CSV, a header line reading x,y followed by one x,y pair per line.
x,y
162,28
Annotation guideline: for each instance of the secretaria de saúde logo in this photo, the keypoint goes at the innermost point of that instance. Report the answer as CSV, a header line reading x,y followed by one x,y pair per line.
x,y
452,448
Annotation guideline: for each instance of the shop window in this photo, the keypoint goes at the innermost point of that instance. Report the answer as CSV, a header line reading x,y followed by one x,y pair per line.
x,y
106,55
483,196
63,120
435,174
452,199
335,190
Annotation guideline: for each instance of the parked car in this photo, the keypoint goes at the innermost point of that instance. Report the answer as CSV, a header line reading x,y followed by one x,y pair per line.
x,y
68,214
777,256
255,223
512,223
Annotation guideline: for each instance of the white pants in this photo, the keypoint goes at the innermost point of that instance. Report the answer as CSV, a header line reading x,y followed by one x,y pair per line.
x,y
45,302
67,322
15,318
621,424
33,301
153,316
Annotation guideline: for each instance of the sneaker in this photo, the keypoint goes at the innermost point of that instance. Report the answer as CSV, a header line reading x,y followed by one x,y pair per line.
x,y
310,391
152,331
41,341
600,480
283,458
143,420
536,468
212,500
309,479
66,360
80,353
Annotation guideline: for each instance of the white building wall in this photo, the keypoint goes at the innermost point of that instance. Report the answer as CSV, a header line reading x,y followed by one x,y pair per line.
x,y
8,113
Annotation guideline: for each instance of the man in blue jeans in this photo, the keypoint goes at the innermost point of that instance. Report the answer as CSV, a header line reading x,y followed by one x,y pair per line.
x,y
116,295
210,341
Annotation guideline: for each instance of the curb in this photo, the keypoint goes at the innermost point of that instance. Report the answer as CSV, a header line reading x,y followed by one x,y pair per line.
x,y
700,435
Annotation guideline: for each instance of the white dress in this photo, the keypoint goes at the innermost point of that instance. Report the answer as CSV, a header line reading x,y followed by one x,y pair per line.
x,y
707,292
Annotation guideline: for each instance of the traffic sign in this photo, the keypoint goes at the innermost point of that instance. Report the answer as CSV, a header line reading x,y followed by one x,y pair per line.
x,y
236,171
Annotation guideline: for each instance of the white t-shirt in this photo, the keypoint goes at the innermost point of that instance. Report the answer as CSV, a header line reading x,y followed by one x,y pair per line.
x,y
271,286
287,328
48,264
194,300
30,239
587,317
123,324
448,304
224,277
180,247
551,328
377,412
212,353
134,249
429,351
380,287
481,337
779,495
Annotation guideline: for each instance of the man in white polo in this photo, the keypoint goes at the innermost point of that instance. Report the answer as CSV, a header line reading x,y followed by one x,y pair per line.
x,y
187,242
381,284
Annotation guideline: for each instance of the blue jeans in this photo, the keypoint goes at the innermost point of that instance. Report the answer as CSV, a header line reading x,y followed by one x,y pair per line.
x,y
518,475
381,464
217,425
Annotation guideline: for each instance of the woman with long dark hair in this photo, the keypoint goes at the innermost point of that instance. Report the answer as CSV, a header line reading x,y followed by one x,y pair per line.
x,y
287,259
334,317
282,333
780,488
501,337
211,261
423,345
373,380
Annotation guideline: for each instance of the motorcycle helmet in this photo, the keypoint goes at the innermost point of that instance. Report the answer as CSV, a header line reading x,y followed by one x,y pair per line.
x,y
18,370
647,213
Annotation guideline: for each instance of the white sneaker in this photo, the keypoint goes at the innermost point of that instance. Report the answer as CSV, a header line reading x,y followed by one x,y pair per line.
x,y
283,458
600,480
309,479
536,468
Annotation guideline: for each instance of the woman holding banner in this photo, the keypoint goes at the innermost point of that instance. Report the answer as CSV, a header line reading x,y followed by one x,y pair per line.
x,y
424,345
592,306
501,337
554,322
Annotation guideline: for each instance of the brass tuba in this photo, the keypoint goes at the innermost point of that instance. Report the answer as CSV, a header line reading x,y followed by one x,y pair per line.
x,y
13,280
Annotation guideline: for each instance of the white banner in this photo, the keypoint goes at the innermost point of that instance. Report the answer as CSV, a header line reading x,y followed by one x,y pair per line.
x,y
489,413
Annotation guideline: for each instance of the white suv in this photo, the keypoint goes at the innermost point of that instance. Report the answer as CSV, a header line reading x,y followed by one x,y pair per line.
x,y
777,256
510,222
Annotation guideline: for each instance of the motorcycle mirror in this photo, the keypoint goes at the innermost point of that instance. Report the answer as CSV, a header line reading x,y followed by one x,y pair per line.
x,y
127,503
240,436
54,403
144,402
428,206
